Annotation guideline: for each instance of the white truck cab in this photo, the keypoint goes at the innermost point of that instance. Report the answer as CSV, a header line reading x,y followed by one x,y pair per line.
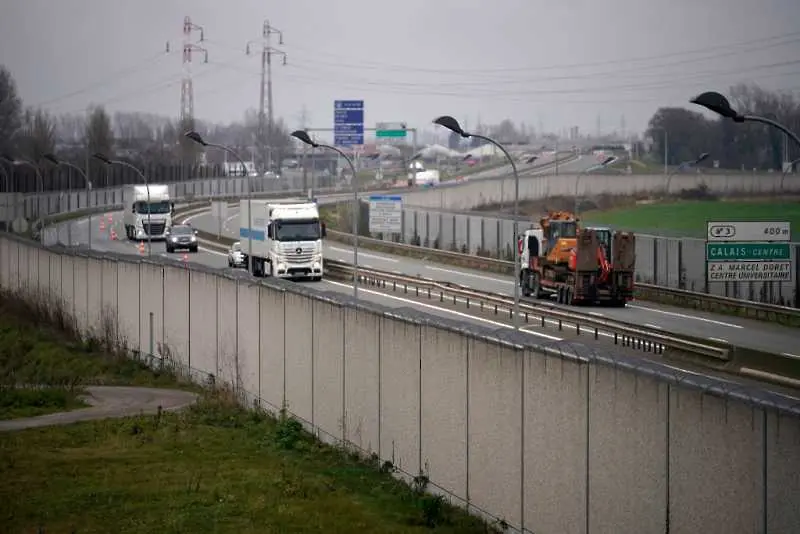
x,y
148,211
285,237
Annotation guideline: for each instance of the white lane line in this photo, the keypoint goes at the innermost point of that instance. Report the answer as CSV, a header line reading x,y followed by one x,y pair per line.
x,y
596,314
364,254
452,312
790,355
470,275
684,316
720,340
653,326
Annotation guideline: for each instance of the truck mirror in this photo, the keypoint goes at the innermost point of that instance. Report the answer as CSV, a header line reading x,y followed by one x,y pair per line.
x,y
323,230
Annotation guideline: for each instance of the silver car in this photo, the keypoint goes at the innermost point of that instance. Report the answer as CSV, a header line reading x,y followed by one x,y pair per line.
x,y
236,258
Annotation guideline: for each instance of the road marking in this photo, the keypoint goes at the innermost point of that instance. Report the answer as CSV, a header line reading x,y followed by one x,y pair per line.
x,y
718,339
683,316
596,314
461,273
452,312
790,355
365,254
653,326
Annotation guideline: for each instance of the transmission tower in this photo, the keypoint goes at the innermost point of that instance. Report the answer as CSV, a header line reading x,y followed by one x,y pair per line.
x,y
187,91
265,99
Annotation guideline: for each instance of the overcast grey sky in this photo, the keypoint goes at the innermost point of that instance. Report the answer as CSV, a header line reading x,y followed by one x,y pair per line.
x,y
554,64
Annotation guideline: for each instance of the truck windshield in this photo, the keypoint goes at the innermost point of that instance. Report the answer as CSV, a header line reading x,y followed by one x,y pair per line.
x,y
297,230
155,207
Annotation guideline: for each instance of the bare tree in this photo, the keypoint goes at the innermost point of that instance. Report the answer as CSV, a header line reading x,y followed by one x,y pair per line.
x,y
99,137
10,110
39,134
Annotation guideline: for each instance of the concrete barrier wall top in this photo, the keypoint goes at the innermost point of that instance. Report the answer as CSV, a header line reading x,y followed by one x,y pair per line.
x,y
552,438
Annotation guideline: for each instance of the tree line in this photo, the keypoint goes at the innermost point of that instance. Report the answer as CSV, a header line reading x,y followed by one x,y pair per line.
x,y
746,146
154,143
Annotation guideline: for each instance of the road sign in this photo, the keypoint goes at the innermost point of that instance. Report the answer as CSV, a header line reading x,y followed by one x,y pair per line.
x,y
385,214
749,271
348,122
749,231
390,129
748,251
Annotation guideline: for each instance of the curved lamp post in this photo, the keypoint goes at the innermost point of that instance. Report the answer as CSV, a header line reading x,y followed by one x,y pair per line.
x,y
452,124
702,157
302,135
59,163
24,162
602,164
105,159
717,103
197,138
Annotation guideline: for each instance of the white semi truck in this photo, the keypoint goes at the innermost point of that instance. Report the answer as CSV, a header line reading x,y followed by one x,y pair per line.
x,y
148,211
285,237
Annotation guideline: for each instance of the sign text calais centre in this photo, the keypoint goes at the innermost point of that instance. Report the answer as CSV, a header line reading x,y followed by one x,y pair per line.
x,y
749,251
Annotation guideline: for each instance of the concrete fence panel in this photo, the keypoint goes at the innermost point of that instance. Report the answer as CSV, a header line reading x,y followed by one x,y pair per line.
x,y
203,324
94,293
444,409
495,418
328,362
248,332
54,275
298,355
781,458
555,411
129,302
69,285
229,358
627,449
714,458
364,353
272,384
400,393
177,316
151,309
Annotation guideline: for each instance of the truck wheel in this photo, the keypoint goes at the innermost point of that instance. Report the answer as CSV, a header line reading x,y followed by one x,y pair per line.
x,y
524,281
568,296
535,286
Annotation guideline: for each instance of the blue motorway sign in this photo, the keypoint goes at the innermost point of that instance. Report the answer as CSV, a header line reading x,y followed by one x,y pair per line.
x,y
348,104
348,116
348,122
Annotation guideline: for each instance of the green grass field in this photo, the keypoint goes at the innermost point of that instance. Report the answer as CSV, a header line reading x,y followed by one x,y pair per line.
x,y
689,218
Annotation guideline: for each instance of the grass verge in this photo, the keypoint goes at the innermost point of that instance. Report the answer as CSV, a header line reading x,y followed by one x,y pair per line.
x,y
18,402
213,468
689,218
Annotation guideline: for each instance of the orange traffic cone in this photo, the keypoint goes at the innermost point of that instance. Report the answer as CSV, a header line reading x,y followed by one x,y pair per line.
x,y
102,224
141,247
185,258
110,218
113,235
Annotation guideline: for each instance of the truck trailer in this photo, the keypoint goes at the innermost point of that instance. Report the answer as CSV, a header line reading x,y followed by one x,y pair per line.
x,y
285,237
148,211
593,265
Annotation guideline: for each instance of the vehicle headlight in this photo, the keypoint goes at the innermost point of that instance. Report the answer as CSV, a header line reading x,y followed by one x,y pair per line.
x,y
194,238
281,266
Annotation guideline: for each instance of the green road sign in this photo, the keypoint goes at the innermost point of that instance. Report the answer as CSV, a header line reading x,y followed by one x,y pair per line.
x,y
748,251
390,133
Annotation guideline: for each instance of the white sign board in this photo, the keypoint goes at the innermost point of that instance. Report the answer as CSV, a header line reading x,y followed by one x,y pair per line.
x,y
750,271
749,231
219,209
385,214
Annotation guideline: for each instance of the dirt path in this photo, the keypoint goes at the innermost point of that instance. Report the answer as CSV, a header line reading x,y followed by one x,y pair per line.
x,y
107,402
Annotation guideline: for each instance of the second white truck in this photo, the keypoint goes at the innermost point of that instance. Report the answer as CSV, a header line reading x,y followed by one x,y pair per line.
x,y
147,214
285,237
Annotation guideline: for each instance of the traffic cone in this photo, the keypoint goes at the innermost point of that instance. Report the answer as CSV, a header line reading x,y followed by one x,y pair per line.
x,y
185,258
141,247
102,224
110,218
113,235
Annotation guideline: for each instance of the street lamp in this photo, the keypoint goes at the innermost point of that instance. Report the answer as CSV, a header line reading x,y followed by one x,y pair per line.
x,y
452,124
786,170
717,103
683,165
666,147
197,138
21,162
303,136
55,161
105,159
600,165
7,181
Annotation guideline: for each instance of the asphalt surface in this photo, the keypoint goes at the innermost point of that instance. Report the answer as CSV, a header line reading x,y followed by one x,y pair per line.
x,y
107,402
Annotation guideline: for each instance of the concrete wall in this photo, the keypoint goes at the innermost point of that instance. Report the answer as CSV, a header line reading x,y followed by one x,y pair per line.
x,y
470,194
665,261
557,438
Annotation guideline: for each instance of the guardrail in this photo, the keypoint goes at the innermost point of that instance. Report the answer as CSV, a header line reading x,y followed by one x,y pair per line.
x,y
623,333
703,301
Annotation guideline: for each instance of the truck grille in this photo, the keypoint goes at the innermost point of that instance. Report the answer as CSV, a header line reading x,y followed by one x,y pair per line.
x,y
293,257
154,228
